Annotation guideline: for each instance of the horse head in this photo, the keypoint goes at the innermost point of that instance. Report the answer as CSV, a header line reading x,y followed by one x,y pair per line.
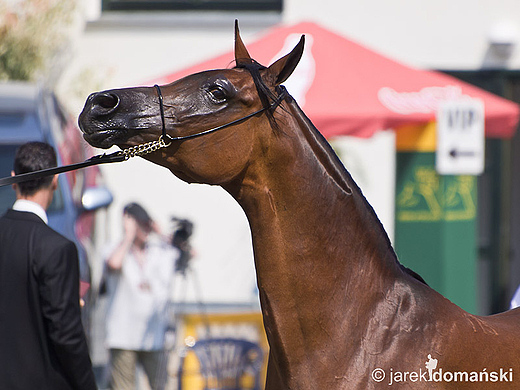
x,y
239,102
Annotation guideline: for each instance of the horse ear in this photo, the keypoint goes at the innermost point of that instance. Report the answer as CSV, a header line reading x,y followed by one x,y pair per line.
x,y
241,54
283,68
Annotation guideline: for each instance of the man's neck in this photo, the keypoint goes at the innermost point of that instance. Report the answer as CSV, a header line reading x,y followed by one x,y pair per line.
x,y
43,197
39,198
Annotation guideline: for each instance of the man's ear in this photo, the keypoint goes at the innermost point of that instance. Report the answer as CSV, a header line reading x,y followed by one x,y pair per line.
x,y
54,182
14,186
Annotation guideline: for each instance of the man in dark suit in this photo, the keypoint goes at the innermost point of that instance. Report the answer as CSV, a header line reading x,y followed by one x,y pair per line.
x,y
42,341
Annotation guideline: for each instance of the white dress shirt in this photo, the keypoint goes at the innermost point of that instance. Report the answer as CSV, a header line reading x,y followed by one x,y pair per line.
x,y
31,207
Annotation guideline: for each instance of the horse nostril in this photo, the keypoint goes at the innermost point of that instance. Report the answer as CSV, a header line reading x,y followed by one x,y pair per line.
x,y
104,103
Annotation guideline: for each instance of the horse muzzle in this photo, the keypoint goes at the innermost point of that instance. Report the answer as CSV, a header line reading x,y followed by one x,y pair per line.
x,y
108,117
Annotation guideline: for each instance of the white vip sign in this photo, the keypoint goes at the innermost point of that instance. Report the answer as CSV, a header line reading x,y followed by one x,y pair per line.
x,y
460,137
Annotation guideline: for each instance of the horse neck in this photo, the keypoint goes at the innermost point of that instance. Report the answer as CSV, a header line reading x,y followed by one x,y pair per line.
x,y
303,205
320,251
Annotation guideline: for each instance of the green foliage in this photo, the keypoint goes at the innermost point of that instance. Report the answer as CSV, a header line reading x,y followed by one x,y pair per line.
x,y
32,32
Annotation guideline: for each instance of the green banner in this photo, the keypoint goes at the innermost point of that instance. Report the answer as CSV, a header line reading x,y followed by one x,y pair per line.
x,y
435,233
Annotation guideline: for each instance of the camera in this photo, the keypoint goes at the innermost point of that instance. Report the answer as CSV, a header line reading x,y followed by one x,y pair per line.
x,y
181,240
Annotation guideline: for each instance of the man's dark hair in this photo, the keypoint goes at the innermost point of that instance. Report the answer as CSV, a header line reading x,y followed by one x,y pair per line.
x,y
34,156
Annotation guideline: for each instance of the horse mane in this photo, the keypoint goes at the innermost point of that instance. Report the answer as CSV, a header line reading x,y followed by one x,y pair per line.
x,y
264,93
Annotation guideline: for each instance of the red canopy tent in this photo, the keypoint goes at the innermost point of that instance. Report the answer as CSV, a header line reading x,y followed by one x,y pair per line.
x,y
347,89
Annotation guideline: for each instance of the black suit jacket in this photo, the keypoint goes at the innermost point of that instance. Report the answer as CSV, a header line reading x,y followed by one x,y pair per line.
x,y
42,341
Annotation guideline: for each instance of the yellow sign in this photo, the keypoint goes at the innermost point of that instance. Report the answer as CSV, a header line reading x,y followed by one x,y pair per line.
x,y
195,327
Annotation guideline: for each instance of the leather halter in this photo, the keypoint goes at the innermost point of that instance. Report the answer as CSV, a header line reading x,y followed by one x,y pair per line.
x,y
272,106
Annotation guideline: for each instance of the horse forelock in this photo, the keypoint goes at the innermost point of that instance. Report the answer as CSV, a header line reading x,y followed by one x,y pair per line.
x,y
264,92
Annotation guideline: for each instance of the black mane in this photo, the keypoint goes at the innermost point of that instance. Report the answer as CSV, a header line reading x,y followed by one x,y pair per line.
x,y
264,93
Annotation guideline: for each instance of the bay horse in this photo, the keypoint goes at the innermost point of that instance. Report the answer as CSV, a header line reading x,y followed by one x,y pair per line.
x,y
339,310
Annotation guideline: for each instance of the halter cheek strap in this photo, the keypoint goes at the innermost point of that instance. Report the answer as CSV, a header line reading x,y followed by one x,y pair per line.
x,y
161,109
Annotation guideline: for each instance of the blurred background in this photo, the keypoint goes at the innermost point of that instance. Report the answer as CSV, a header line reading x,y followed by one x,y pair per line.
x,y
459,230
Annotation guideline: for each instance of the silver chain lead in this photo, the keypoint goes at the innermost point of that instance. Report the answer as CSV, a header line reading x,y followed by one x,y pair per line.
x,y
144,149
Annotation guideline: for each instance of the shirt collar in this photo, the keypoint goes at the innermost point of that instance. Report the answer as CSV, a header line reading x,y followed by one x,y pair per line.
x,y
31,207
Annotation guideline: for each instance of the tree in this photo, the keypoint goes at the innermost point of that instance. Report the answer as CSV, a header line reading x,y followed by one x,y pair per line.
x,y
32,35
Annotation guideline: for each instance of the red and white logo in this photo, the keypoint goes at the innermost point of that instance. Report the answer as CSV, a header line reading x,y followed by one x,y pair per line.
x,y
425,101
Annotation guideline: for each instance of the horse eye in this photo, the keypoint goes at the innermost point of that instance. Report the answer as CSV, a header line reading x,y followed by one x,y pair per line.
x,y
217,92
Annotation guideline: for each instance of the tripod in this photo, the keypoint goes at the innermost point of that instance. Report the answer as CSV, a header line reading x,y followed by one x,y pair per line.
x,y
176,309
